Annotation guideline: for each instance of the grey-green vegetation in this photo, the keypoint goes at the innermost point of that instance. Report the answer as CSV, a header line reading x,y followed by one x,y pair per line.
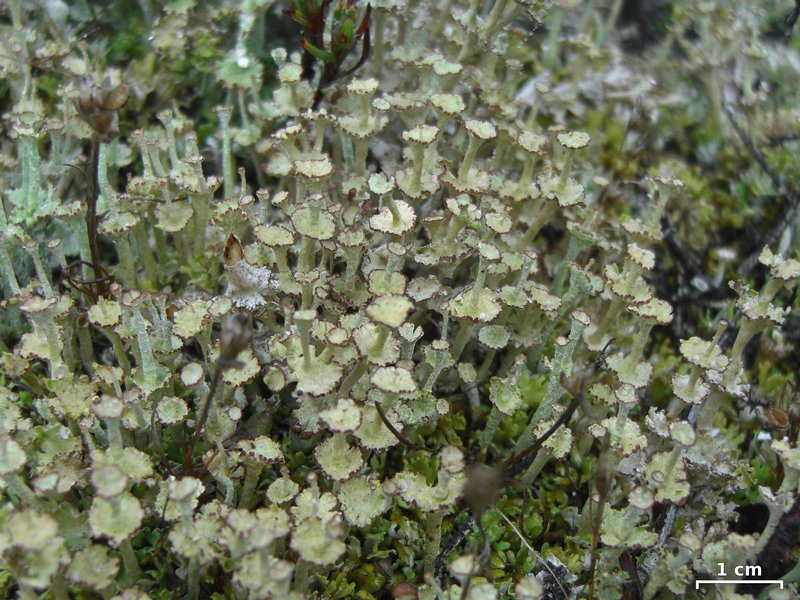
x,y
432,300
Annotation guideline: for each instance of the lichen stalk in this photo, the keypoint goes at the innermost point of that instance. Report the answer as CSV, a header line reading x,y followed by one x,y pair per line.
x,y
85,346
536,467
228,171
747,330
390,204
8,270
380,340
352,377
41,273
18,486
307,251
301,577
193,578
46,323
148,365
608,318
462,337
252,473
127,266
469,157
565,169
378,26
103,185
59,587
493,18
545,212
561,364
639,342
145,253
119,350
489,429
361,148
129,561
480,280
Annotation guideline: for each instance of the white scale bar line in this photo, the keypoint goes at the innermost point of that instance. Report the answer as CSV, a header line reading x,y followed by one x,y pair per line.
x,y
750,581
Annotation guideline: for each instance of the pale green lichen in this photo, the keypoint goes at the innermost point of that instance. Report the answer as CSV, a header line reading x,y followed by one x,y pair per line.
x,y
287,303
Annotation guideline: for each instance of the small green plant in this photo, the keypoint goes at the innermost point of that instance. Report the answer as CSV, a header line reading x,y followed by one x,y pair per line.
x,y
345,31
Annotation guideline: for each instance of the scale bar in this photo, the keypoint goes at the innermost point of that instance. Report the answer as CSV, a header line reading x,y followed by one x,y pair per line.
x,y
748,581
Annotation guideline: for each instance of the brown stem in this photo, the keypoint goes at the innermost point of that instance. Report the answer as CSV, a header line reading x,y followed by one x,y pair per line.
x,y
396,433
517,463
91,219
331,71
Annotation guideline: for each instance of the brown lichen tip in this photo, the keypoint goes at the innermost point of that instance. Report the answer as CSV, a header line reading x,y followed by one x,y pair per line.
x,y
421,134
247,284
314,169
654,309
261,449
482,130
391,310
97,104
393,380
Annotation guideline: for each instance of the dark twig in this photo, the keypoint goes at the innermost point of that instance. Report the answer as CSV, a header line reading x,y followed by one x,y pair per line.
x,y
97,105
603,354
792,197
516,464
511,467
632,589
85,285
781,139
752,149
451,543
236,336
91,208
776,558
791,19
403,439
201,421
207,464
331,70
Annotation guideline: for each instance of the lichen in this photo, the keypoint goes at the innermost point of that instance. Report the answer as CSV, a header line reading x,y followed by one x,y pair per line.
x,y
397,299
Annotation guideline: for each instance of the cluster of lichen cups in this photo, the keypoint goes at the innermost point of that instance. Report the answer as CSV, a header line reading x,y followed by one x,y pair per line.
x,y
398,271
